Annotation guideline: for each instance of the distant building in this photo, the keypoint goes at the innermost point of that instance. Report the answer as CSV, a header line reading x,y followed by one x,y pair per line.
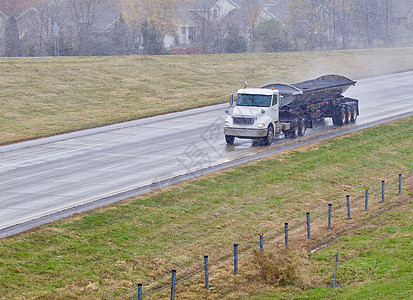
x,y
217,12
35,31
36,27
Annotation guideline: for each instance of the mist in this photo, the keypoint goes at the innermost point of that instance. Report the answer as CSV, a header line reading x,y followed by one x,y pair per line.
x,y
113,27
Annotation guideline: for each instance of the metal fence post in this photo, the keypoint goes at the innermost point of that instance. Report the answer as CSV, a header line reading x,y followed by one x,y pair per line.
x,y
308,226
382,191
173,284
335,271
329,215
235,259
139,291
206,272
348,207
261,241
286,235
366,200
400,184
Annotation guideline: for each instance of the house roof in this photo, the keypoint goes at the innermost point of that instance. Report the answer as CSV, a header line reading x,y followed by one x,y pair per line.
x,y
105,19
278,9
187,17
236,3
32,10
264,3
203,4
187,13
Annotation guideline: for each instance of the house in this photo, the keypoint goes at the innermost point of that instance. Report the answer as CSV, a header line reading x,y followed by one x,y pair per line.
x,y
35,31
278,9
216,12
82,29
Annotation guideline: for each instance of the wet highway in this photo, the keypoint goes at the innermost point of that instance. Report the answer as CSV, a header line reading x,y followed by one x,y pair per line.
x,y
39,178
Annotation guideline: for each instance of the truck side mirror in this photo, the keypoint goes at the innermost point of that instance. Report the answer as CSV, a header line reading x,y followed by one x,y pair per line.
x,y
231,99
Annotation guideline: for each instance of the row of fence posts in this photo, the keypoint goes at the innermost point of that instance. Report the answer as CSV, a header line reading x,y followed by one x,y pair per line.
x,y
206,269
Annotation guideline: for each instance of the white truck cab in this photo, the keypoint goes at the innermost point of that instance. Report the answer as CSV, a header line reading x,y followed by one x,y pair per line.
x,y
255,115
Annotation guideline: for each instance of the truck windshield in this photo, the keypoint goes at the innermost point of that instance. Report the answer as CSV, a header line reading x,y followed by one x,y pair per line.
x,y
253,100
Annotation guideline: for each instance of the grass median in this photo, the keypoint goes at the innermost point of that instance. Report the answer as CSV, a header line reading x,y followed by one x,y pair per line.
x,y
103,253
47,96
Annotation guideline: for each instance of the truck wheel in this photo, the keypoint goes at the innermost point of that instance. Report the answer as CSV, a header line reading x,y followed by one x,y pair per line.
x,y
339,118
348,114
353,118
293,132
335,119
270,136
302,128
229,139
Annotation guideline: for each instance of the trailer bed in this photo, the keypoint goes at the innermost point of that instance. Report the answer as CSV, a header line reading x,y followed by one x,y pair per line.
x,y
307,92
325,83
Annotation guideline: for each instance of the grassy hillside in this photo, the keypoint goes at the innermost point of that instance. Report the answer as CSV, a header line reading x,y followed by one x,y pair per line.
x,y
102,253
374,263
46,96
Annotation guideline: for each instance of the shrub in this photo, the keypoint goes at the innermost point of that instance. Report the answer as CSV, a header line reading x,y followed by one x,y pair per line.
x,y
275,268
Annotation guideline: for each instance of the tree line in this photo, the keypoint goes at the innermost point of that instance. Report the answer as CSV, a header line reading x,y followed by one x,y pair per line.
x,y
122,27
340,24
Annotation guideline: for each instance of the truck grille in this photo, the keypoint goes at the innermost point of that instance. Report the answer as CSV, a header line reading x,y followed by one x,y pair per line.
x,y
241,120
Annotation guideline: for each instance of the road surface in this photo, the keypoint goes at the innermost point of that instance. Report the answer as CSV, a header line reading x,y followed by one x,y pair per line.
x,y
51,178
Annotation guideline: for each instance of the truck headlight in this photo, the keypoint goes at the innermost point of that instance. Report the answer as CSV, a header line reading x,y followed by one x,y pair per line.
x,y
261,125
226,123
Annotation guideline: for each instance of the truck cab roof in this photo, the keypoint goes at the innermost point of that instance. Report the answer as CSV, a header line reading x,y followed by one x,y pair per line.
x,y
257,91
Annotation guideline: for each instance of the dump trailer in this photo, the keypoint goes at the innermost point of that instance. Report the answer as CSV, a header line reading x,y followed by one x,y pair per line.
x,y
289,109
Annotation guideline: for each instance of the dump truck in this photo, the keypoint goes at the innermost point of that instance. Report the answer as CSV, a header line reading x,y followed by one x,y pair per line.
x,y
289,109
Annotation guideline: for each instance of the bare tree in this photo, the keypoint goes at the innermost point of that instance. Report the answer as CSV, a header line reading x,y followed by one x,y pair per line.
x,y
85,13
320,24
388,19
162,13
302,24
367,22
252,10
13,43
36,30
55,11
16,7
209,31
343,12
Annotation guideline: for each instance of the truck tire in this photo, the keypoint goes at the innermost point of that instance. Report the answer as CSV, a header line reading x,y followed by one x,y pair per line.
x,y
229,139
339,118
348,115
353,118
302,128
293,132
270,136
